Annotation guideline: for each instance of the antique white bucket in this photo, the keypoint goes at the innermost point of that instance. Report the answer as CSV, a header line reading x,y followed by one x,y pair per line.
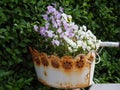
x,y
65,72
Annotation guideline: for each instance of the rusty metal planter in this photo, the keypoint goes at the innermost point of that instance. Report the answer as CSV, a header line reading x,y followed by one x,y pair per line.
x,y
64,72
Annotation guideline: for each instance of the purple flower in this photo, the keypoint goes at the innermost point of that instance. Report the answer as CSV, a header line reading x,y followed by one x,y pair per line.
x,y
53,19
58,22
42,31
59,30
73,26
36,28
55,42
65,24
55,13
58,15
62,35
47,26
54,22
50,33
45,17
69,33
51,9
55,25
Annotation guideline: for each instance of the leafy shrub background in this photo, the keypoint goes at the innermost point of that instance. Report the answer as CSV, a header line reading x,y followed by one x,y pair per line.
x,y
16,34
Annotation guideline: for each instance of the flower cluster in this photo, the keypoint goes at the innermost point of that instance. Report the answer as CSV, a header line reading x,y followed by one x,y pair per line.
x,y
61,31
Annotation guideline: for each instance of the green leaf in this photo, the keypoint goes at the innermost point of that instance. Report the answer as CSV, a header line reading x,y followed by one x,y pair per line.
x,y
28,81
9,87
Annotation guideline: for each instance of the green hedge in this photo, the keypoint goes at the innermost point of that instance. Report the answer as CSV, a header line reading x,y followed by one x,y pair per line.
x,y
16,34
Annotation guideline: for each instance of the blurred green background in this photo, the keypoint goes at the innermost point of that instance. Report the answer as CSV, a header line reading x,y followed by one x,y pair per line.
x,y
16,34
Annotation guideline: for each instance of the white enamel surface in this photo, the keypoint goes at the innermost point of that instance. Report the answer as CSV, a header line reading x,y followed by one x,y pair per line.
x,y
92,72
59,78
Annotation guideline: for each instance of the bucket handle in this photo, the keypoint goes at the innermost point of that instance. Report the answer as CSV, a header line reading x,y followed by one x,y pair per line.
x,y
99,59
110,44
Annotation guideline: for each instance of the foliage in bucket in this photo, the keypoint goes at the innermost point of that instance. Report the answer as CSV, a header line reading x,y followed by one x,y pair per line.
x,y
16,34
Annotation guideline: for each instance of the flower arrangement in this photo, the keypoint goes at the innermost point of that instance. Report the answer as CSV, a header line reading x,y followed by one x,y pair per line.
x,y
66,51
61,36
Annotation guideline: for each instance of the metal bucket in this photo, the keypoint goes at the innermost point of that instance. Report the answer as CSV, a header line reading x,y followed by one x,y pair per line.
x,y
65,72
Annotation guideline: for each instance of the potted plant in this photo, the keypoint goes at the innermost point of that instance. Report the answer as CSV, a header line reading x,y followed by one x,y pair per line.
x,y
66,55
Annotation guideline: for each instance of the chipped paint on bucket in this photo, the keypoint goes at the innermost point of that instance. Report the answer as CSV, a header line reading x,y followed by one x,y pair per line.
x,y
64,72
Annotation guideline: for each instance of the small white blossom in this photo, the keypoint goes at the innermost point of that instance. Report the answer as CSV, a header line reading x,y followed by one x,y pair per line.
x,y
67,18
70,49
88,48
70,42
79,43
84,46
84,28
90,34
64,16
81,28
36,28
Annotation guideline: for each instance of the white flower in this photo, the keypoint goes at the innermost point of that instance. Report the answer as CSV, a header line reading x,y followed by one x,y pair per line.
x,y
36,28
81,33
84,28
88,48
90,42
56,37
89,34
70,42
67,18
79,43
81,28
70,49
84,46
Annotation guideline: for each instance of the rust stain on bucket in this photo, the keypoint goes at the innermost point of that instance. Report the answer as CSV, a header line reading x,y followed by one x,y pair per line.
x,y
44,59
67,64
35,56
55,61
37,60
64,72
45,73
